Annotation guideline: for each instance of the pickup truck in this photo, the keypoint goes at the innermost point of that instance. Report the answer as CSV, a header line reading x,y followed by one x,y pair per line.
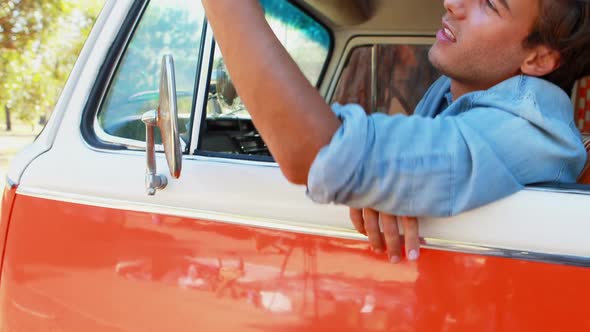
x,y
150,202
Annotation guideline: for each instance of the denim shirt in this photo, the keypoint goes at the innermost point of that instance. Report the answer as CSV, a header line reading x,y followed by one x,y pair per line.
x,y
450,156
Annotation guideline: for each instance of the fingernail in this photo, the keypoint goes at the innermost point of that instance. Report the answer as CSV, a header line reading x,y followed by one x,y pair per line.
x,y
395,259
413,255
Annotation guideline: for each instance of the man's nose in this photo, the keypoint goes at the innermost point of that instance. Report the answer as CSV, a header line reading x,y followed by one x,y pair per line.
x,y
456,8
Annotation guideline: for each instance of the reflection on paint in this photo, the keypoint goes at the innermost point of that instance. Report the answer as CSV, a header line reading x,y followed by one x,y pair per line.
x,y
97,269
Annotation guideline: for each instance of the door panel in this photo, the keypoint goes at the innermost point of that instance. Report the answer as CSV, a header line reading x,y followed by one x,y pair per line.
x,y
72,267
118,263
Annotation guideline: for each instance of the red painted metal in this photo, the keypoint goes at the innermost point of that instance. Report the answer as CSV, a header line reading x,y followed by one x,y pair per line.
x,y
5,212
71,267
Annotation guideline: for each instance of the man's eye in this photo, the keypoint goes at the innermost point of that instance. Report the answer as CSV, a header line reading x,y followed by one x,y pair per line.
x,y
491,5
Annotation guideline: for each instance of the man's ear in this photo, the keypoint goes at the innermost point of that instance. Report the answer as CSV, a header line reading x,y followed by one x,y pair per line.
x,y
542,60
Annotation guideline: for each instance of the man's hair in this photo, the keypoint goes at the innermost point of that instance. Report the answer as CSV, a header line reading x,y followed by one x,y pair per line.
x,y
564,26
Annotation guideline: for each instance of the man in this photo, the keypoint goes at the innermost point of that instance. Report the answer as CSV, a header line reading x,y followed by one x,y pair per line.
x,y
474,133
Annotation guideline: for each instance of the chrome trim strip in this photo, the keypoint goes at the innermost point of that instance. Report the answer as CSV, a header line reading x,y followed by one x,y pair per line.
x,y
108,138
141,153
9,183
559,190
202,90
126,142
271,164
310,229
478,249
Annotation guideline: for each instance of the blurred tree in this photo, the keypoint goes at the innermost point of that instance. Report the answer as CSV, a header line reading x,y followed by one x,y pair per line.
x,y
23,20
39,43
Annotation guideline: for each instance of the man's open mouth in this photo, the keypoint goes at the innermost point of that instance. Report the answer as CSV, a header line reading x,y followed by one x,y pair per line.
x,y
447,32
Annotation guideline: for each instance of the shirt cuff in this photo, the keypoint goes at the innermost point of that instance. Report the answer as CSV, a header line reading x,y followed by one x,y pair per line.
x,y
335,163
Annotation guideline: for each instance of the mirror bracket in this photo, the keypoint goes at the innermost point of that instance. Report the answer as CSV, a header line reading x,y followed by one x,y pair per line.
x,y
166,119
153,181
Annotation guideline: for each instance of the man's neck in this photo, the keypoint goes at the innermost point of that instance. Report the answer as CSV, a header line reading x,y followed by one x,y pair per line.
x,y
459,89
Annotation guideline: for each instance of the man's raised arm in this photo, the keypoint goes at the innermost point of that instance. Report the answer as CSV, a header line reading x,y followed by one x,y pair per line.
x,y
289,113
287,110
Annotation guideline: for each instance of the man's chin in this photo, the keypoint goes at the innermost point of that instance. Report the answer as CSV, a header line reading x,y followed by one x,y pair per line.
x,y
434,57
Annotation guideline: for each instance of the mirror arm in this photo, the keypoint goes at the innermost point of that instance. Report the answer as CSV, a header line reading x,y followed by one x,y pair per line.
x,y
153,182
166,119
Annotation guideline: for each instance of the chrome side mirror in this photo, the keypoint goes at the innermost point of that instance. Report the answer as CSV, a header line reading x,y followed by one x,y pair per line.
x,y
166,119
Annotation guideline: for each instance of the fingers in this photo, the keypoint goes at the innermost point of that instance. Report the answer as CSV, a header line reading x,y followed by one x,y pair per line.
x,y
371,218
366,221
356,216
411,237
392,239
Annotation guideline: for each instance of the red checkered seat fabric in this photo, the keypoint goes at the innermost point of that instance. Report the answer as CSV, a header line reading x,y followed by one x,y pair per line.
x,y
581,99
585,175
582,104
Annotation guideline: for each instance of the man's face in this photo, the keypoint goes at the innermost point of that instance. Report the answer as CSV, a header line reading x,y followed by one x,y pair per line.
x,y
480,43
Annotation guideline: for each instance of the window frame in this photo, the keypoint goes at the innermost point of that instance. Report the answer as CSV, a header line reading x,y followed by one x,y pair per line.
x,y
91,132
201,111
358,41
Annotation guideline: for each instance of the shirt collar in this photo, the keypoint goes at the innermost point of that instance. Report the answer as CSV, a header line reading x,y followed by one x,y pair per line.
x,y
449,98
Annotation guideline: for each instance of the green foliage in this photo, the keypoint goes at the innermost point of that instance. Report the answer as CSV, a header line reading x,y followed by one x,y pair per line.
x,y
39,43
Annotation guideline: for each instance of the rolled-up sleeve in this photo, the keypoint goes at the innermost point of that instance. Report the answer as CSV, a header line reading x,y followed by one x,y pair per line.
x,y
417,166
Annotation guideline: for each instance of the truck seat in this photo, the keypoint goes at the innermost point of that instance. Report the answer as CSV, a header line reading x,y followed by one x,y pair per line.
x,y
585,175
581,100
